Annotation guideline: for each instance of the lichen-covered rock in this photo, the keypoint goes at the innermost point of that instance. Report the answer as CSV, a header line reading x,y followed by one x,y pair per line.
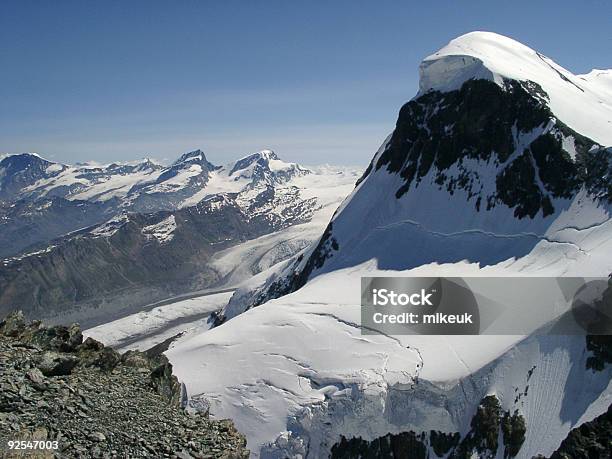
x,y
13,324
106,359
136,359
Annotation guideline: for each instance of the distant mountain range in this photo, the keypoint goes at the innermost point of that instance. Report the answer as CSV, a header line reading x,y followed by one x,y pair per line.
x,y
40,199
90,239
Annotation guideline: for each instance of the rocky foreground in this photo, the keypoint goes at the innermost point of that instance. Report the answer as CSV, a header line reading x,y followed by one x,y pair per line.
x,y
95,402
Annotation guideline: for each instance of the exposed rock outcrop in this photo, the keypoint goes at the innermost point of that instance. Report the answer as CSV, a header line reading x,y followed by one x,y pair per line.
x,y
96,402
482,441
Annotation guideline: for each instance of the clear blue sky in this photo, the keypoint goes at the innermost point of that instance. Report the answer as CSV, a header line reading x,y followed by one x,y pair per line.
x,y
316,81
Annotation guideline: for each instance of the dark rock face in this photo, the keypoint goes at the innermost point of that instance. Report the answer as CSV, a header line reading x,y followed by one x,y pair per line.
x,y
513,430
589,441
403,445
596,172
482,438
481,441
101,404
442,443
600,347
483,121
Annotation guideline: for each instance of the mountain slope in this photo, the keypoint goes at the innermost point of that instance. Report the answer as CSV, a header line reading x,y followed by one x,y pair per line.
x,y
484,172
26,223
52,379
244,264
482,176
19,171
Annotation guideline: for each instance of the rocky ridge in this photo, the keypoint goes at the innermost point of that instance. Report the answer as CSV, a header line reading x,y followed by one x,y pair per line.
x,y
96,402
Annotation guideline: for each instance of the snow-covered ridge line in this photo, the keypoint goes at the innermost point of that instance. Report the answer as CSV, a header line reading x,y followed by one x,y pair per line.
x,y
92,164
89,164
583,102
141,185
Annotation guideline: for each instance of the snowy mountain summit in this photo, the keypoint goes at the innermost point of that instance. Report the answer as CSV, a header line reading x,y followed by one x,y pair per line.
x,y
499,166
485,164
583,102
265,166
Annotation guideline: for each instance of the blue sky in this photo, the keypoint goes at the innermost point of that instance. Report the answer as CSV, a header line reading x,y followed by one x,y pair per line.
x,y
316,81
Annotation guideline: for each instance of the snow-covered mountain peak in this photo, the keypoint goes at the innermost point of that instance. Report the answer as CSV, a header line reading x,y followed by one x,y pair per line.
x,y
487,55
194,157
262,158
584,103
124,168
265,165
485,164
267,154
22,160
19,170
147,164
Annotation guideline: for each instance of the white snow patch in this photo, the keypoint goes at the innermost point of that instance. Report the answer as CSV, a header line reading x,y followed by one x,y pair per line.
x,y
148,328
568,143
54,168
111,226
163,231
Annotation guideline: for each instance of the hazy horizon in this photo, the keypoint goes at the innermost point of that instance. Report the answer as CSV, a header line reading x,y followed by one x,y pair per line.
x,y
317,83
